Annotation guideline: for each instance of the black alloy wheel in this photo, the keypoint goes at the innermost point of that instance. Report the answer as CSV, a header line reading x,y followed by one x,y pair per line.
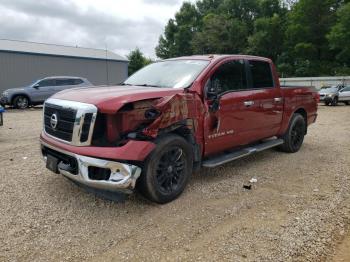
x,y
171,170
167,169
294,137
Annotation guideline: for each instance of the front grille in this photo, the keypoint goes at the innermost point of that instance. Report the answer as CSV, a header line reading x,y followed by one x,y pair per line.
x,y
65,121
86,127
69,121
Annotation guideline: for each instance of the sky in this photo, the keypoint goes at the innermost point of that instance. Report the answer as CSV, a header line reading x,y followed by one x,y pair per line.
x,y
119,25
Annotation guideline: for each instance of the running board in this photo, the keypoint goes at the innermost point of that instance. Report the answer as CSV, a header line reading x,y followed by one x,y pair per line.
x,y
223,159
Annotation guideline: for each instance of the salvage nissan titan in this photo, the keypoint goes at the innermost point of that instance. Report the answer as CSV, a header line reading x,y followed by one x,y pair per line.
x,y
171,118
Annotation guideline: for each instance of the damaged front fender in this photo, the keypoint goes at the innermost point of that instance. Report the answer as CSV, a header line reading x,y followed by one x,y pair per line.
x,y
174,109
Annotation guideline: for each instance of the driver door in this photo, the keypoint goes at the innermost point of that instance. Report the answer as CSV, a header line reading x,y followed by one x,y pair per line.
x,y
228,118
43,90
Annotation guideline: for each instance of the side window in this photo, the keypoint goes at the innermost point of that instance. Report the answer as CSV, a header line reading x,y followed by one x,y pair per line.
x,y
47,82
346,89
230,76
261,74
65,82
77,81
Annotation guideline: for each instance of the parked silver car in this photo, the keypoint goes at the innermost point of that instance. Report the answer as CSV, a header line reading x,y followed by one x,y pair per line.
x,y
330,95
37,92
344,95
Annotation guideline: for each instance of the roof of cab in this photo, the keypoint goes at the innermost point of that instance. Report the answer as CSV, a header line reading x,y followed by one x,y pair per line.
x,y
215,57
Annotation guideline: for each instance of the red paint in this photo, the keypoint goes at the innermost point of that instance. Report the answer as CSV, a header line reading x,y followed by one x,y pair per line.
x,y
132,150
232,125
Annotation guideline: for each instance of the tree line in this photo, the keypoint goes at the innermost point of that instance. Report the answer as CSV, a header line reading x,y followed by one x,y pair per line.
x,y
304,38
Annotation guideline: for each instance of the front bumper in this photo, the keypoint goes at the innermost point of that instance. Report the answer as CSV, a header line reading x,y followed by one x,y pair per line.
x,y
121,177
328,99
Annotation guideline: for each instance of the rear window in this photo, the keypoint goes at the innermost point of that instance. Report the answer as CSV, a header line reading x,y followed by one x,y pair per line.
x,y
77,81
261,74
64,82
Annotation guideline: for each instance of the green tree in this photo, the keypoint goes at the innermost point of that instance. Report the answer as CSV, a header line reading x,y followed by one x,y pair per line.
x,y
220,35
268,36
137,60
309,21
178,33
339,37
302,36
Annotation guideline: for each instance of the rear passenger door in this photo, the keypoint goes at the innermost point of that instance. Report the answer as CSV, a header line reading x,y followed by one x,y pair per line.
x,y
267,98
344,94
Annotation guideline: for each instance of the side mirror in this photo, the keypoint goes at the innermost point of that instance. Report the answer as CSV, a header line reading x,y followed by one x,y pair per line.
x,y
211,91
36,86
212,94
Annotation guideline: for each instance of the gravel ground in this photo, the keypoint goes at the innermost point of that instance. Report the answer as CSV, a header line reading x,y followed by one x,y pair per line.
x,y
299,210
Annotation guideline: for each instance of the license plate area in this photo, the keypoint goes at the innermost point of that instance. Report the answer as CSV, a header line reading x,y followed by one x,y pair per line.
x,y
52,163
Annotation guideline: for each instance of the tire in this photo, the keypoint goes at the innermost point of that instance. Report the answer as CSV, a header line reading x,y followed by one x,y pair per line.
x,y
294,137
347,103
326,103
167,170
335,101
21,102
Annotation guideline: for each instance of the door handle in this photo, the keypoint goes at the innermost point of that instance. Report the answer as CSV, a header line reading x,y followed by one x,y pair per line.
x,y
277,99
248,103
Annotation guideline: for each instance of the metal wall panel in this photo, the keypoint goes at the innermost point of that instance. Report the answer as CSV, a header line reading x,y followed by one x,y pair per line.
x,y
17,69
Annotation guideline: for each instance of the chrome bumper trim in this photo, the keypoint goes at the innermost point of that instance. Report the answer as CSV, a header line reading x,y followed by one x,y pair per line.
x,y
122,179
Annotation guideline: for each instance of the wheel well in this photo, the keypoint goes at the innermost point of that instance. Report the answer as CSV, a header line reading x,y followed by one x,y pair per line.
x,y
188,135
16,95
304,114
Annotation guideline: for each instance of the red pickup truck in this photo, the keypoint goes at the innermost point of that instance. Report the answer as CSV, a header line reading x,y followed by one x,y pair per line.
x,y
171,118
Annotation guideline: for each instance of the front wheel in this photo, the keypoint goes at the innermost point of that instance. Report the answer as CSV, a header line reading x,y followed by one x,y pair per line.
x,y
347,103
335,101
294,137
167,170
21,102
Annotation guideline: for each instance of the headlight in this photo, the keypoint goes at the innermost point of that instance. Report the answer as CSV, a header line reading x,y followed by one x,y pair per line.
x,y
5,93
330,95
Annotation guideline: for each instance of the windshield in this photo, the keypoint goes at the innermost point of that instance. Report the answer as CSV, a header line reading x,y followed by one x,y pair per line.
x,y
330,90
175,74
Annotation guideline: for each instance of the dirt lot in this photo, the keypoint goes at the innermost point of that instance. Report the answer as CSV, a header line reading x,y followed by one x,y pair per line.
x,y
298,210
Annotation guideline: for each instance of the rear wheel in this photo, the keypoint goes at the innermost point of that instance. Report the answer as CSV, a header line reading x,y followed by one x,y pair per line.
x,y
294,137
21,102
167,170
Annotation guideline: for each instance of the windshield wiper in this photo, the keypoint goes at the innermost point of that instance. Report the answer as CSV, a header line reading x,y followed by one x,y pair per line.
x,y
125,84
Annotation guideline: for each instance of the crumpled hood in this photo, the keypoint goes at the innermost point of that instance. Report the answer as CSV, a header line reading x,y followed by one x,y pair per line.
x,y
110,99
